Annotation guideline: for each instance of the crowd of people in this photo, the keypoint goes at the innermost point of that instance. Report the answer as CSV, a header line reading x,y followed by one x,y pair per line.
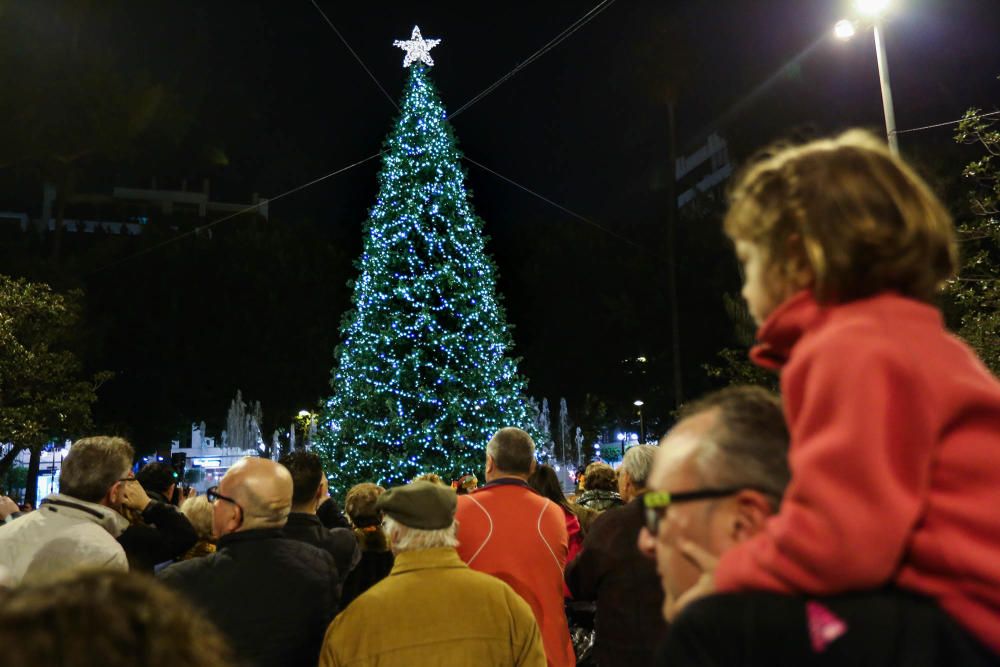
x,y
849,521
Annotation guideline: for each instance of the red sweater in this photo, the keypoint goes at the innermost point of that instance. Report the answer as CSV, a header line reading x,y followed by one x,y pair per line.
x,y
507,530
895,460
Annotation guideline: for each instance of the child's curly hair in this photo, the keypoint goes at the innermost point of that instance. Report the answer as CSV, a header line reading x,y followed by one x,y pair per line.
x,y
859,219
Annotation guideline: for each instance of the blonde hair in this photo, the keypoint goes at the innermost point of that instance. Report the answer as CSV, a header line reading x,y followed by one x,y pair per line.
x,y
199,512
858,218
431,477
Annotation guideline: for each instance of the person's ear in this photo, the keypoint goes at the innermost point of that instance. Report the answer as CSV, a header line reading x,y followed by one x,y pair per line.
x,y
801,253
532,467
751,510
113,497
490,464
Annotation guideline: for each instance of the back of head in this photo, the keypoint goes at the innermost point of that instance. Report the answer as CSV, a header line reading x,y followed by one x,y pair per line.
x,y
512,450
93,465
431,477
307,473
359,505
264,490
156,476
600,477
747,445
858,218
113,619
199,512
638,462
545,481
419,516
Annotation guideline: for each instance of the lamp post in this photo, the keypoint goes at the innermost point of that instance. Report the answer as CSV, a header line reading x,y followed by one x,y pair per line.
x,y
875,10
642,431
308,421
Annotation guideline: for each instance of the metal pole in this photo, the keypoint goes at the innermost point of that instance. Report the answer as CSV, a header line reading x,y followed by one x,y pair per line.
x,y
883,79
642,431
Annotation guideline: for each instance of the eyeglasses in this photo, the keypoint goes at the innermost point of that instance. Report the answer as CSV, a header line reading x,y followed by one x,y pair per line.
x,y
655,503
214,496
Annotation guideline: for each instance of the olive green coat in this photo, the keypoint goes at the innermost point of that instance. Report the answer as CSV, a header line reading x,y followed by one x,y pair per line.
x,y
433,610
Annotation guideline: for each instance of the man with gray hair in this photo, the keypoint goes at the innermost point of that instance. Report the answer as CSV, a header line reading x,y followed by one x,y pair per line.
x,y
76,527
612,572
431,609
270,595
721,472
506,529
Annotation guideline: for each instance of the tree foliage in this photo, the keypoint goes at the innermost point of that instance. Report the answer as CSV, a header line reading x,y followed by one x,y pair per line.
x,y
733,365
973,299
43,393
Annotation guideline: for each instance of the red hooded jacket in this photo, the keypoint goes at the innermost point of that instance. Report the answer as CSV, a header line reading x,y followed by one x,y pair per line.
x,y
895,460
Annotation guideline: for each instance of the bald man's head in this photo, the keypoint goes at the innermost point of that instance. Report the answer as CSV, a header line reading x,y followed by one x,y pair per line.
x,y
263,490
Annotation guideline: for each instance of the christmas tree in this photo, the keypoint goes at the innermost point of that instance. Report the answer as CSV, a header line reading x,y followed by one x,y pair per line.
x,y
423,375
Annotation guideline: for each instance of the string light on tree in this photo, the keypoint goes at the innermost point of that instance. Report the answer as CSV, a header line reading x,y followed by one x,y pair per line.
x,y
423,375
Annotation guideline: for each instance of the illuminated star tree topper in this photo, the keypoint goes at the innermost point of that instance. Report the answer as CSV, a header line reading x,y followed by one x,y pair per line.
x,y
417,48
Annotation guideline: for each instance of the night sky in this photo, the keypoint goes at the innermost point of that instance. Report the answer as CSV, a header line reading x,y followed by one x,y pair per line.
x,y
271,86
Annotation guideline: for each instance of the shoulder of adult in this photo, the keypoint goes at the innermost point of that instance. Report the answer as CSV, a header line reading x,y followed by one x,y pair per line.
x,y
305,550
186,569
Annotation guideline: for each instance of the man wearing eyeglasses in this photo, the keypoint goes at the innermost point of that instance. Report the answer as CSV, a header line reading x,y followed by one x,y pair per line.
x,y
719,474
76,527
272,596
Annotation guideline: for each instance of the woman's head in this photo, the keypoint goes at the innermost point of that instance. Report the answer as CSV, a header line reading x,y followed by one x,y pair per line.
x,y
600,477
546,483
198,511
841,216
359,504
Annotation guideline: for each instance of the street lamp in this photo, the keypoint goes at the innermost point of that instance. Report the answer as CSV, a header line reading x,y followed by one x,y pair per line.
x,y
875,10
642,431
308,421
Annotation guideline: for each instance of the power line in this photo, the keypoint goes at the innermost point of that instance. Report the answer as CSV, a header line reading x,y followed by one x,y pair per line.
x,y
354,53
576,25
951,122
554,42
551,44
248,209
558,206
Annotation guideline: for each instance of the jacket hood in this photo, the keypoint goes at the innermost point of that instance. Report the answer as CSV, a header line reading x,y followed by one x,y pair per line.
x,y
783,328
105,517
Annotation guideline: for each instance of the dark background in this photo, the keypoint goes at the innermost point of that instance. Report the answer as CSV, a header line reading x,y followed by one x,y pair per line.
x,y
262,97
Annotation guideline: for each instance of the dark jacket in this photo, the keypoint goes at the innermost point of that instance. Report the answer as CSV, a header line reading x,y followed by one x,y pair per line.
x,y
164,535
611,571
331,516
273,597
339,542
375,564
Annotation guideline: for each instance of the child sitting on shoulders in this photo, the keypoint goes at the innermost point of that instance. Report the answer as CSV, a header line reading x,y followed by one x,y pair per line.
x,y
893,503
